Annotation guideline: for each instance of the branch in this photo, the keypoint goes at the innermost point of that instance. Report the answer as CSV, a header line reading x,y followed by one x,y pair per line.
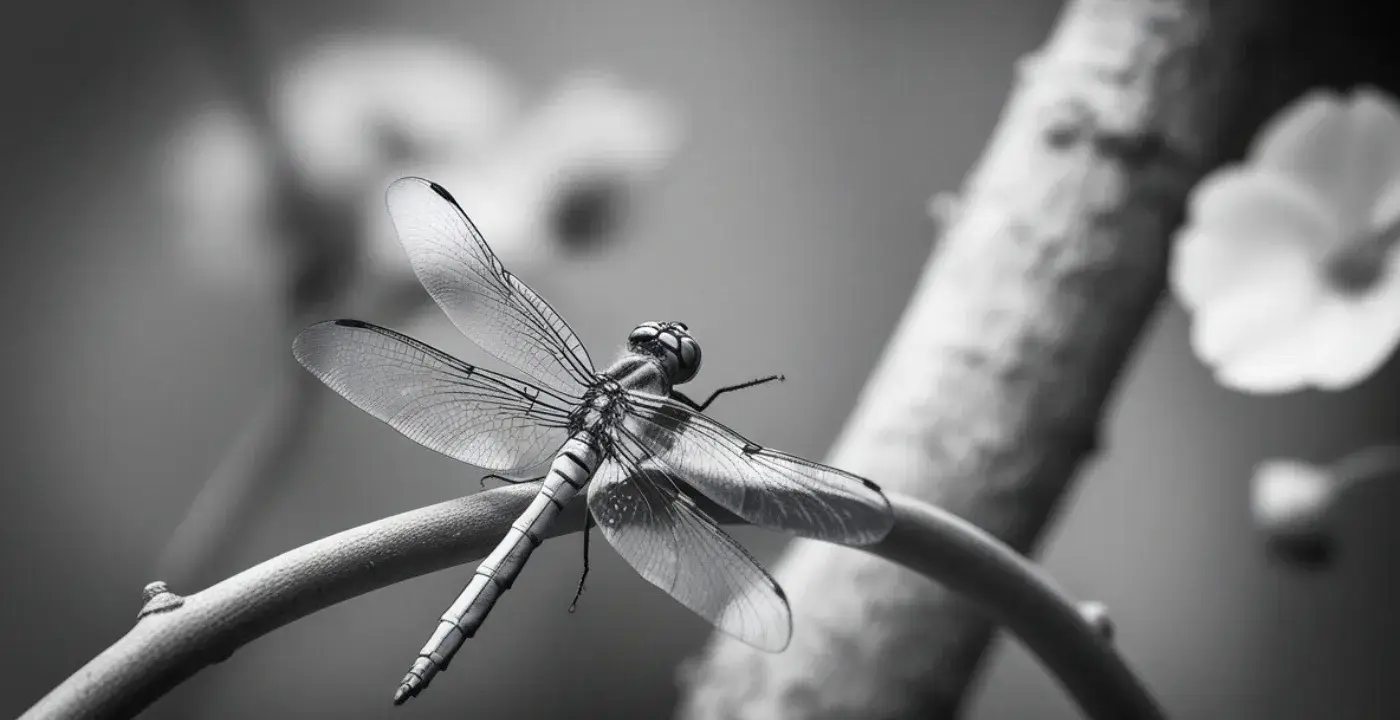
x,y
176,637
990,395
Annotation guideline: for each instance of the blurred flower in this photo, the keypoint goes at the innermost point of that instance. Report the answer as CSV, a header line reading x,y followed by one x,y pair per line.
x,y
1286,260
216,177
352,106
358,112
1295,503
560,181
594,141
1292,502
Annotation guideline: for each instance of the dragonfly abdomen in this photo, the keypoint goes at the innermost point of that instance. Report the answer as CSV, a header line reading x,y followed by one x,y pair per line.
x,y
572,468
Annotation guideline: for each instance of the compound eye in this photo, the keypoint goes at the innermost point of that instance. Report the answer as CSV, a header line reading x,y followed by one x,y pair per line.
x,y
687,360
671,342
642,333
690,353
682,326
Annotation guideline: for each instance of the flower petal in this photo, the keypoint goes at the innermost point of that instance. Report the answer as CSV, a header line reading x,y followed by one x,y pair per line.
x,y
1255,337
1238,219
596,123
1307,140
1375,158
1386,212
217,183
353,99
1347,149
1356,335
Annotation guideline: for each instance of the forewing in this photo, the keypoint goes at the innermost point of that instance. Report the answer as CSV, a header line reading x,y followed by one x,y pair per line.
x,y
484,300
763,486
676,547
474,415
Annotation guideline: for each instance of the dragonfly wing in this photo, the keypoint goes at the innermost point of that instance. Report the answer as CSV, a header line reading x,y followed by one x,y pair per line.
x,y
483,418
672,543
763,486
485,301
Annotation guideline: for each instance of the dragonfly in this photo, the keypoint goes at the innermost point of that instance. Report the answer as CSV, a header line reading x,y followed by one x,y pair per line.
x,y
640,448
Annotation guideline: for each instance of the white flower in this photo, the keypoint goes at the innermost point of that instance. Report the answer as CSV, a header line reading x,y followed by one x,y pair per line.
x,y
1286,261
352,106
595,124
1295,503
1292,506
593,141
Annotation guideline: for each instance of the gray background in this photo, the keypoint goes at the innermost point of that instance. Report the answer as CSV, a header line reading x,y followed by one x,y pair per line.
x,y
788,236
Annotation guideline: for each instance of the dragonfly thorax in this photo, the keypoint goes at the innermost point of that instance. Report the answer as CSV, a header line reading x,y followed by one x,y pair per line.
x,y
602,408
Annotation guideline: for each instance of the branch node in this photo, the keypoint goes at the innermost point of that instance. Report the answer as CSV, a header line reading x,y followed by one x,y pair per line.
x,y
1096,614
1072,123
157,598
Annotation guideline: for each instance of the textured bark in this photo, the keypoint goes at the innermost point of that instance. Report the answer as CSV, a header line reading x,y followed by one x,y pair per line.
x,y
991,392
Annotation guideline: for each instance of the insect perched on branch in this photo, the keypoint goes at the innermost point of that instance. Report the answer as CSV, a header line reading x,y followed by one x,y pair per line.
x,y
642,444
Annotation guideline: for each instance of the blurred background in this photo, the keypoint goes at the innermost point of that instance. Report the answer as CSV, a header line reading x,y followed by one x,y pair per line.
x,y
780,213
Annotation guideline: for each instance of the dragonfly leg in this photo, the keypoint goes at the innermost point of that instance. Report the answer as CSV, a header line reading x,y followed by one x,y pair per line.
x,y
587,525
508,481
700,407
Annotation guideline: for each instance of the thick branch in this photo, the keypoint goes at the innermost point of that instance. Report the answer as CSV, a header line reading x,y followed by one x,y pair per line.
x,y
168,646
990,395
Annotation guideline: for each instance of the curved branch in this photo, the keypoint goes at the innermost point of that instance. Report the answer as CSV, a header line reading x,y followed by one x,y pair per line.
x,y
176,637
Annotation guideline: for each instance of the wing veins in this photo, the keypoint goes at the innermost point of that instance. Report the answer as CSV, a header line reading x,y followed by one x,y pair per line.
x,y
466,412
764,486
459,269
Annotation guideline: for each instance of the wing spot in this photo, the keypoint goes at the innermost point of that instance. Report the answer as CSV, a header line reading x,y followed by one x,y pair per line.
x,y
750,448
442,191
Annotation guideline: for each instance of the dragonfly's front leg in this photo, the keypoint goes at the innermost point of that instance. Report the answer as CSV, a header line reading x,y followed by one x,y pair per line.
x,y
700,407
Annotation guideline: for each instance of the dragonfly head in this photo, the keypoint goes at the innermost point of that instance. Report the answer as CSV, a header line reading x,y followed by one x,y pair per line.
x,y
672,344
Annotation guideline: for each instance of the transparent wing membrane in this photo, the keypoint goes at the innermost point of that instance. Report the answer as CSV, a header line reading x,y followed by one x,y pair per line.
x,y
485,301
674,545
765,487
465,412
